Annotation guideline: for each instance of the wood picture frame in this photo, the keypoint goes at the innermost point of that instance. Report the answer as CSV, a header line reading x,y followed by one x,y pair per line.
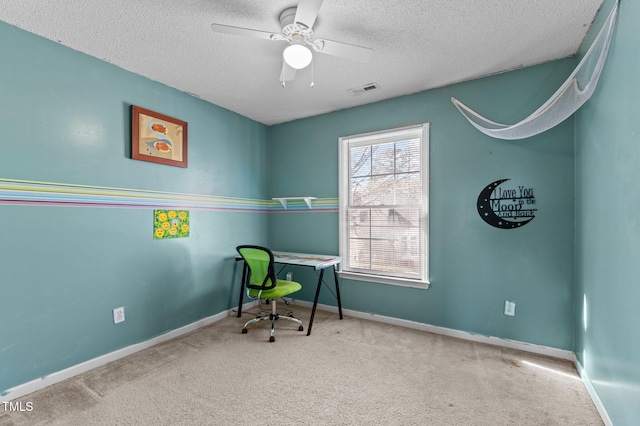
x,y
158,138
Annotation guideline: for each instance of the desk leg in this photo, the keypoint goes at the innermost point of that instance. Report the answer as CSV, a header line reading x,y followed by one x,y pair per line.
x,y
244,277
335,277
315,302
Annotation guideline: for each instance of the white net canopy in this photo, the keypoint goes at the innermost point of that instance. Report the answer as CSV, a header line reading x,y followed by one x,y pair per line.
x,y
568,98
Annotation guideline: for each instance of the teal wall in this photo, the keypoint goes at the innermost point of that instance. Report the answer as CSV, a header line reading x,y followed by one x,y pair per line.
x,y
608,225
65,118
474,267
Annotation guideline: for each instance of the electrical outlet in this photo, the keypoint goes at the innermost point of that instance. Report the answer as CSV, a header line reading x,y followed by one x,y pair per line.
x,y
118,315
510,308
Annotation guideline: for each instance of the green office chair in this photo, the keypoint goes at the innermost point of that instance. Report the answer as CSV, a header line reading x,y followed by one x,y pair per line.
x,y
261,283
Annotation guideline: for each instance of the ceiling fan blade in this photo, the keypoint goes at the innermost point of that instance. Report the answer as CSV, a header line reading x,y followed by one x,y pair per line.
x,y
288,73
307,12
245,32
343,50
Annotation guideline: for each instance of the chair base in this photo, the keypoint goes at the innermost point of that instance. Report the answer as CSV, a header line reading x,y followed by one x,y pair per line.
x,y
273,316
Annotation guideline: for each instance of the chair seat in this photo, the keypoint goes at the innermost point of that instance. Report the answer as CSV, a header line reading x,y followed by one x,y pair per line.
x,y
283,288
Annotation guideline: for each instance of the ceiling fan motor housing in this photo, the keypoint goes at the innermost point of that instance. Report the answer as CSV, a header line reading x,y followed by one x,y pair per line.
x,y
296,33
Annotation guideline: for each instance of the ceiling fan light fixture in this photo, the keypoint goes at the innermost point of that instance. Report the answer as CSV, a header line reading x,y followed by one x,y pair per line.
x,y
297,56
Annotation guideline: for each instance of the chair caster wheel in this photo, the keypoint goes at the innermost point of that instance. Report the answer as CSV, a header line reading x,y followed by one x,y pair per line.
x,y
244,331
272,339
301,328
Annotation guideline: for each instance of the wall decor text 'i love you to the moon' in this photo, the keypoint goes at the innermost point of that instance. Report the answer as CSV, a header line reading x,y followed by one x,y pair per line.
x,y
506,207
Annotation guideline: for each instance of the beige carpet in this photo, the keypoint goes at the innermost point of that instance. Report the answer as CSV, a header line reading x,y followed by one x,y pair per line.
x,y
349,372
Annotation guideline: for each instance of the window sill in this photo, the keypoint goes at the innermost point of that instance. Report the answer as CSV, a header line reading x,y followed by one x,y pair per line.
x,y
384,280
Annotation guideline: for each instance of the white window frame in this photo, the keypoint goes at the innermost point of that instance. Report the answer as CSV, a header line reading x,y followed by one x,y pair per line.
x,y
373,138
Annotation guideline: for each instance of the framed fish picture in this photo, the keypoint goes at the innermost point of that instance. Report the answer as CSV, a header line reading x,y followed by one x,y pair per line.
x,y
158,138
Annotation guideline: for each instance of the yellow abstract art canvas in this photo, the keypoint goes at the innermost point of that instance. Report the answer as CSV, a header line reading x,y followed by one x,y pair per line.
x,y
170,224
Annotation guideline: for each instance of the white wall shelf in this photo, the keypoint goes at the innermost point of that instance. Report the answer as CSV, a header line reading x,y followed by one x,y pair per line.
x,y
283,200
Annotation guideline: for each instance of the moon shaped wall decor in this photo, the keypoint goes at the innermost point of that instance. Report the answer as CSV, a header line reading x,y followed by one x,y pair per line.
x,y
506,207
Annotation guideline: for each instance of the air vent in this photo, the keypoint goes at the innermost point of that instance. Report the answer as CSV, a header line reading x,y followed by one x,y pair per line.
x,y
364,89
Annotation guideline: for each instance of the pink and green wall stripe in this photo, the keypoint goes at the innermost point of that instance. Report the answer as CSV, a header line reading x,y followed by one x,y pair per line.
x,y
24,192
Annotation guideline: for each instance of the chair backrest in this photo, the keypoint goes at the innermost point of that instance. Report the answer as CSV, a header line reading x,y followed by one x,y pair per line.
x,y
262,275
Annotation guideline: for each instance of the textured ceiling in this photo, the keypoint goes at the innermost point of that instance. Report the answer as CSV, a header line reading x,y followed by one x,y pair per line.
x,y
418,45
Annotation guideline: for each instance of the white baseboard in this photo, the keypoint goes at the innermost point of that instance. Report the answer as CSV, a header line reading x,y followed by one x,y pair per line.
x,y
34,385
513,344
67,373
593,393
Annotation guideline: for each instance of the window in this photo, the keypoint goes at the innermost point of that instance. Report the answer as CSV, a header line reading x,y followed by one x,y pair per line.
x,y
384,206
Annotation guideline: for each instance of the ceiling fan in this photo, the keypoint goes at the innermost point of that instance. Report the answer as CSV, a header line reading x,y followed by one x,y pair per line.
x,y
297,30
